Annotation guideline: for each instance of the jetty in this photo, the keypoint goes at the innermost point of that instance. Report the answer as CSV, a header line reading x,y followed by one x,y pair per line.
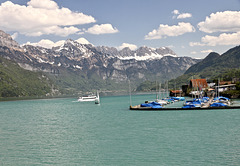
x,y
139,108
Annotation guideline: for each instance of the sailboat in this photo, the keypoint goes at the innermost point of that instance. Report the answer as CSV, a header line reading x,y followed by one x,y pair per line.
x,y
158,99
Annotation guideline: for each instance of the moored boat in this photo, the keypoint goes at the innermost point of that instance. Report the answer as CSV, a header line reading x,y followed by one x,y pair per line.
x,y
222,99
178,98
218,105
152,105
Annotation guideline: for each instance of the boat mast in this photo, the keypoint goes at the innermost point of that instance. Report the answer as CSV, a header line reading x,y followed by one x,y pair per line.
x,y
175,89
180,92
160,96
130,95
192,88
167,90
156,91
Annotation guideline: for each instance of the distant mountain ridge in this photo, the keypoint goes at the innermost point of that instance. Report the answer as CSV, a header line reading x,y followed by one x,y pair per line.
x,y
85,67
206,62
214,62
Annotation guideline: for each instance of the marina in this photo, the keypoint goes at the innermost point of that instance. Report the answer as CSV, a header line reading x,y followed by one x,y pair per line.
x,y
139,108
203,103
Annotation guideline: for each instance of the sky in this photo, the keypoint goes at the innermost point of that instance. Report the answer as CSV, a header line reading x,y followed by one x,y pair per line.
x,y
189,27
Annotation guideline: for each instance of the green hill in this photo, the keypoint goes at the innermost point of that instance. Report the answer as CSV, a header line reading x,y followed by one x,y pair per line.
x,y
206,62
17,82
213,66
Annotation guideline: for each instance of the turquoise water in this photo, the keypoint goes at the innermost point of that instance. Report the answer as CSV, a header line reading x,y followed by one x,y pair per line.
x,y
66,132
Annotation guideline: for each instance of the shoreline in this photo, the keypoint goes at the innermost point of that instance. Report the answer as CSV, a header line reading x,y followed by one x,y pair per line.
x,y
3,99
103,93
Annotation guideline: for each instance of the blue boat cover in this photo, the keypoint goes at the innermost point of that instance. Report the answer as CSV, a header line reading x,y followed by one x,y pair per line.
x,y
156,106
152,105
221,98
218,105
179,98
189,106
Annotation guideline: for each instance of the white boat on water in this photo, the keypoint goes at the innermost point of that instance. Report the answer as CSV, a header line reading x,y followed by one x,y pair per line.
x,y
163,102
90,98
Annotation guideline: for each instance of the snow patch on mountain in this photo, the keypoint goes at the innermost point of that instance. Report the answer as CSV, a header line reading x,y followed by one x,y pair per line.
x,y
152,56
147,53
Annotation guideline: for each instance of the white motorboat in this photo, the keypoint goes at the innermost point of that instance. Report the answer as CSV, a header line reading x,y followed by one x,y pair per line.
x,y
90,98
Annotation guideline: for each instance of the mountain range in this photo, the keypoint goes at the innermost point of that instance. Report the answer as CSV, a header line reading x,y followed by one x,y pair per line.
x,y
83,67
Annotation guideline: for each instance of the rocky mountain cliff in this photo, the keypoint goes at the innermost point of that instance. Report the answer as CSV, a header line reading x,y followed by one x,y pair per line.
x,y
6,40
86,62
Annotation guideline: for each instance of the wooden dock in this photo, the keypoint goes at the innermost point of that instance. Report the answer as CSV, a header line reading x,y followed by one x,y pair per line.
x,y
139,108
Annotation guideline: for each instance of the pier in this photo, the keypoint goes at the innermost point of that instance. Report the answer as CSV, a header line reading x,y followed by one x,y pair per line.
x,y
139,108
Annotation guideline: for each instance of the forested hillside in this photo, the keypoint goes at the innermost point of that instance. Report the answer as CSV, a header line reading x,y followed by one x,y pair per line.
x,y
17,82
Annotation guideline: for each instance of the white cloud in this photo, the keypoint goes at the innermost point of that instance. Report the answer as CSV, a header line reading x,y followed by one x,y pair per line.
x,y
166,30
170,46
179,15
46,43
83,41
227,21
49,44
222,39
102,29
193,52
206,51
41,17
46,4
176,12
14,36
196,44
56,30
130,46
184,15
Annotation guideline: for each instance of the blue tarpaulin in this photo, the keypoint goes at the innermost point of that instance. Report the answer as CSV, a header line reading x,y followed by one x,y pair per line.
x,y
152,105
218,105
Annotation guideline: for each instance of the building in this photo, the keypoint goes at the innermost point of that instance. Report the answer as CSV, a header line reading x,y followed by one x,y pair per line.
x,y
200,84
223,88
176,93
225,82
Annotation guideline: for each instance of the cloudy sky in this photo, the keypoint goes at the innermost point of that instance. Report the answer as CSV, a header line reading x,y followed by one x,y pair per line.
x,y
189,27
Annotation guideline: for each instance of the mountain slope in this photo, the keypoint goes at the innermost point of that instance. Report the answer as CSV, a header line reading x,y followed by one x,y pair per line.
x,y
228,60
17,82
206,62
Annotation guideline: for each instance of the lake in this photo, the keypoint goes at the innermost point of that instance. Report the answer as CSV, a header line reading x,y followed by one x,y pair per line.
x,y
67,132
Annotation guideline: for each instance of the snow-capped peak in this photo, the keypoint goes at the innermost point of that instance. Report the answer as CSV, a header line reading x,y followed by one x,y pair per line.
x,y
147,53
